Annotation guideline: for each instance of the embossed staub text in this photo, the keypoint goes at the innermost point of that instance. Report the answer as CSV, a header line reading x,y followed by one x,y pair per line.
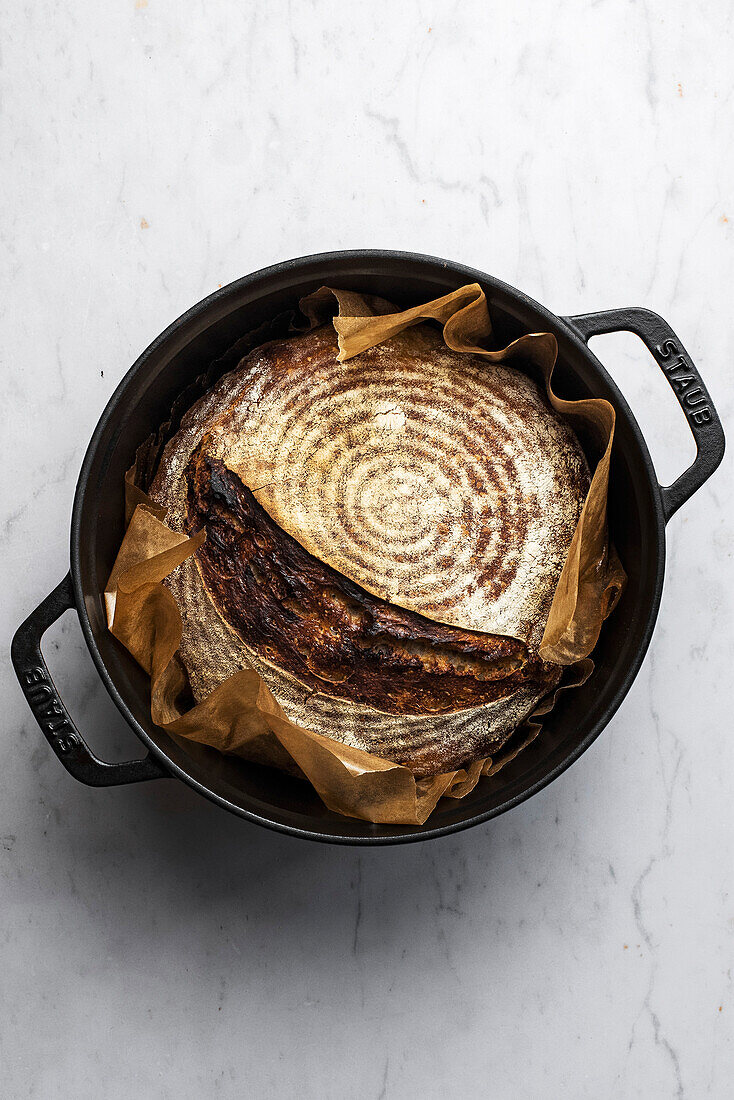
x,y
50,715
685,382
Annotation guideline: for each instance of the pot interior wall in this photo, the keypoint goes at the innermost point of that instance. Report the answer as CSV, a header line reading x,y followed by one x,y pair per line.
x,y
143,403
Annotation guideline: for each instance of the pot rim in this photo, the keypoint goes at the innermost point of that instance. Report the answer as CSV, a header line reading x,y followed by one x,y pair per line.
x,y
201,309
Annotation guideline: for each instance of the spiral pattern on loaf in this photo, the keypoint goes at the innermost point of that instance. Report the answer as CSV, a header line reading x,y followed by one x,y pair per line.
x,y
413,503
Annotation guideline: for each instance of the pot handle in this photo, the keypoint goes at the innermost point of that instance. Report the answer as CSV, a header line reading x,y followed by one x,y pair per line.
x,y
678,368
49,711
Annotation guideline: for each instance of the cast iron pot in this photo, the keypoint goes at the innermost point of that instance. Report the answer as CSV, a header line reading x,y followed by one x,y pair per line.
x,y
638,511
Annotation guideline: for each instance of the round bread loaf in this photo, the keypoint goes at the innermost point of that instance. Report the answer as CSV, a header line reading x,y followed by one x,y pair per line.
x,y
384,539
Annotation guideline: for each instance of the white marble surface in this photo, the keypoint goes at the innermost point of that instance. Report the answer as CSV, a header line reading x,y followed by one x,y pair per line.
x,y
582,945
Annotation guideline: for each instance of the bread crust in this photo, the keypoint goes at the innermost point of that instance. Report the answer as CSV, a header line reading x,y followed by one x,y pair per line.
x,y
424,491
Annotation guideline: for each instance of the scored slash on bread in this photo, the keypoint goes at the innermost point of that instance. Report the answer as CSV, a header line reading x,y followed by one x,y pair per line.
x,y
330,633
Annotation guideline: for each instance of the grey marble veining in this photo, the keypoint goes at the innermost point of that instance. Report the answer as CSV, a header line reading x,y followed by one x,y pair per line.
x,y
580,946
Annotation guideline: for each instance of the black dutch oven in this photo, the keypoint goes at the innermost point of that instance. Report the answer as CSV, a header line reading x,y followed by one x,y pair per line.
x,y
638,511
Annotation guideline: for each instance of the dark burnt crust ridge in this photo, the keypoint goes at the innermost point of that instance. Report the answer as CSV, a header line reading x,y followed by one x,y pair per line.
x,y
336,638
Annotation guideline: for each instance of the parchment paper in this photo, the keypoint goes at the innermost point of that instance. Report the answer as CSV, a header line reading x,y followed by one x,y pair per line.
x,y
241,715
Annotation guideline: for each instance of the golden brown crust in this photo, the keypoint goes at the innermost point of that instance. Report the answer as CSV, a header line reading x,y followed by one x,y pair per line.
x,y
436,482
330,633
